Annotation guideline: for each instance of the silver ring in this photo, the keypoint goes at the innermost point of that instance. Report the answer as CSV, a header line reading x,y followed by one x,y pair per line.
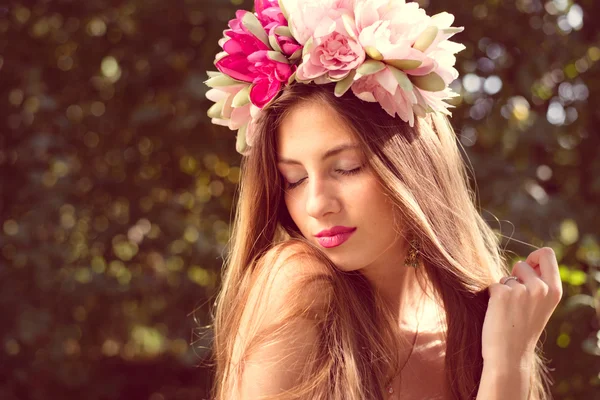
x,y
511,277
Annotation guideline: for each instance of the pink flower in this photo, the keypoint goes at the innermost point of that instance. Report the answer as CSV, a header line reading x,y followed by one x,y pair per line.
x,y
241,44
403,35
305,16
234,118
271,17
414,49
388,30
269,13
269,76
442,50
332,52
383,87
247,58
233,109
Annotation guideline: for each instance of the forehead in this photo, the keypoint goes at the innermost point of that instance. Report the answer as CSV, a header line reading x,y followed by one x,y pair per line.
x,y
311,128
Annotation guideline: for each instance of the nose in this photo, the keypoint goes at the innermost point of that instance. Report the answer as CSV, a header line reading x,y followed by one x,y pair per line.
x,y
322,198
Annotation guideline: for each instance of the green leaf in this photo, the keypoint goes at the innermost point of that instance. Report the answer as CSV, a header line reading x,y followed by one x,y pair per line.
x,y
402,79
342,86
308,46
216,110
426,38
251,22
373,53
404,64
431,82
297,54
277,56
284,31
242,97
274,44
370,67
292,78
221,80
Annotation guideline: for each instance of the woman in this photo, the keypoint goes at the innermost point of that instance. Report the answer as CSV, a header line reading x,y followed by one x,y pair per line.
x,y
359,267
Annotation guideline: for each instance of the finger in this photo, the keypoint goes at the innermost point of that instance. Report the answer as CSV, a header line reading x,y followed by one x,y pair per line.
x,y
495,288
545,259
524,272
509,282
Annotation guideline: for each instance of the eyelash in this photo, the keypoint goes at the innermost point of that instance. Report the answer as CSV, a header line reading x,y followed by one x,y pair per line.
x,y
341,171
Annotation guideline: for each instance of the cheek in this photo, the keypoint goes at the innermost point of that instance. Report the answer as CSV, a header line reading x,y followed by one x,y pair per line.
x,y
365,194
294,207
372,204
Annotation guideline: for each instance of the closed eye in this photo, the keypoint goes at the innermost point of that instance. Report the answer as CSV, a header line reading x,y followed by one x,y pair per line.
x,y
354,171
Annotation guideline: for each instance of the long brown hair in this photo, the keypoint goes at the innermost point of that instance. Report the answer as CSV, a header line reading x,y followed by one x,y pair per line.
x,y
422,171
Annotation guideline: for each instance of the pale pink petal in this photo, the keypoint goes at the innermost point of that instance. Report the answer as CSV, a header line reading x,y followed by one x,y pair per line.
x,y
239,117
386,101
251,133
258,56
340,74
404,107
216,95
221,122
365,96
305,15
254,111
325,27
451,46
308,70
227,107
366,12
401,51
429,64
386,79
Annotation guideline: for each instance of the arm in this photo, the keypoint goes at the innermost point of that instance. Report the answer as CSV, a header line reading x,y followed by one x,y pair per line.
x,y
274,361
498,383
518,310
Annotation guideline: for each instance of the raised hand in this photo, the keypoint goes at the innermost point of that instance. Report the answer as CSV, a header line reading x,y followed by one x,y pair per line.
x,y
519,309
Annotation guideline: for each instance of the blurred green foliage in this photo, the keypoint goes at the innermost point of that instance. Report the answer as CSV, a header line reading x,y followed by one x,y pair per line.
x,y
116,191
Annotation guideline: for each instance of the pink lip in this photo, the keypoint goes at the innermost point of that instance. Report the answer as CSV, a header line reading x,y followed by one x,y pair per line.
x,y
335,236
334,231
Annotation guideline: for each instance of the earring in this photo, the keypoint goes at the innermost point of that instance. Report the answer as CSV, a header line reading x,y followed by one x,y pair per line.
x,y
413,254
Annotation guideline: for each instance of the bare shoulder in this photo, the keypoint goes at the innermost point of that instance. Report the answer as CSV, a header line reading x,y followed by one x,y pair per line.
x,y
294,276
287,299
296,253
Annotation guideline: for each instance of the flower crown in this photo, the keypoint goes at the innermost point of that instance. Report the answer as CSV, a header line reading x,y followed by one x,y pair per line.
x,y
386,51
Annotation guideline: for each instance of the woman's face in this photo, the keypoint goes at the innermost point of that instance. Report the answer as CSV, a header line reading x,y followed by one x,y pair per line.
x,y
328,184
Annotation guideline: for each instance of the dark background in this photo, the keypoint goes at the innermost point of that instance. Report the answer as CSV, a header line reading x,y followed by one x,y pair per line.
x,y
116,191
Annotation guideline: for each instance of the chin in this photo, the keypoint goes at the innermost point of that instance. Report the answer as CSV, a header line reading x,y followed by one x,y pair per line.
x,y
344,265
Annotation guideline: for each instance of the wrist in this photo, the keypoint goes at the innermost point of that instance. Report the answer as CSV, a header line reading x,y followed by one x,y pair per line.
x,y
505,365
506,368
501,381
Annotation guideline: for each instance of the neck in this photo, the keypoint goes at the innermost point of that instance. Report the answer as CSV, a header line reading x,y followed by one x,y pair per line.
x,y
398,286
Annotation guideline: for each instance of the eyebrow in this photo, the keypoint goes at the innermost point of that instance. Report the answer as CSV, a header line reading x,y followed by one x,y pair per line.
x,y
329,153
